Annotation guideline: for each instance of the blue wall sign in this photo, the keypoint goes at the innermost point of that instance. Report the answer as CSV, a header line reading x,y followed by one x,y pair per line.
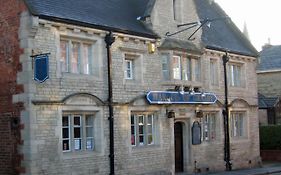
x,y
166,97
41,67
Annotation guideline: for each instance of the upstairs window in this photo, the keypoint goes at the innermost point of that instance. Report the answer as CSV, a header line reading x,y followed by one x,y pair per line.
x,y
129,69
214,72
235,75
181,68
176,66
132,68
76,57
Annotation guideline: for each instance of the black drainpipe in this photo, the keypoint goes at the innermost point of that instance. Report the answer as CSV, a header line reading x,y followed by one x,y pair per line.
x,y
109,40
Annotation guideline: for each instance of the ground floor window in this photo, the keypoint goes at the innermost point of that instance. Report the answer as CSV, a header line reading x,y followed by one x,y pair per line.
x,y
209,127
77,131
238,124
142,129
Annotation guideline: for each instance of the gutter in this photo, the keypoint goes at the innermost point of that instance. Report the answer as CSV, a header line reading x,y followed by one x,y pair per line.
x,y
109,40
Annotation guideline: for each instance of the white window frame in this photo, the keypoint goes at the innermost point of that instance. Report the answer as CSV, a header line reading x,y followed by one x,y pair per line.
x,y
81,56
209,127
136,124
238,131
129,69
176,67
235,75
79,143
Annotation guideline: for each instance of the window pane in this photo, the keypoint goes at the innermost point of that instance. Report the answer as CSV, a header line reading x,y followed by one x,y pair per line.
x,y
141,129
75,57
129,69
89,132
187,69
133,134
65,145
197,70
89,120
150,139
65,132
77,121
165,67
176,68
65,121
141,140
213,72
89,144
64,57
77,133
86,59
77,144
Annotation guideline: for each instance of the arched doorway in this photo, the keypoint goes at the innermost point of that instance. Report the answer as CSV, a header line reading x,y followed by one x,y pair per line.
x,y
178,135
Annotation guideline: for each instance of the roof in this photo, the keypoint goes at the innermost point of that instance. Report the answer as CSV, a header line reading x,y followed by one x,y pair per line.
x,y
176,44
223,35
270,58
116,15
267,102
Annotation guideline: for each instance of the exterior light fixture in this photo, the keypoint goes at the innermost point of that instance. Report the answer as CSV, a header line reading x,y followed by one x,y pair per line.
x,y
170,114
151,48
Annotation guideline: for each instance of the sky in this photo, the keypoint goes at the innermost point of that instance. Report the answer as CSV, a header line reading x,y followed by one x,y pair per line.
x,y
260,16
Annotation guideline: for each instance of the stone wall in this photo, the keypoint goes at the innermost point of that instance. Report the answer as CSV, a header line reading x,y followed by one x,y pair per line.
x,y
269,84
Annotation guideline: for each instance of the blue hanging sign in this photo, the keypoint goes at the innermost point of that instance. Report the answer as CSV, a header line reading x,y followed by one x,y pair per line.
x,y
167,97
41,67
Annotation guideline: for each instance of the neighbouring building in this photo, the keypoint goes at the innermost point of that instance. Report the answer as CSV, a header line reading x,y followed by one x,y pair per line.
x,y
269,86
165,91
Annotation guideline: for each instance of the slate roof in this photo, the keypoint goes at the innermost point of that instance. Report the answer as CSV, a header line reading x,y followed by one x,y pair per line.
x,y
223,35
267,102
270,58
115,15
121,16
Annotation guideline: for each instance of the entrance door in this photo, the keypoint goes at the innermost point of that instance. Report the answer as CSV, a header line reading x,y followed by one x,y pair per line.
x,y
178,147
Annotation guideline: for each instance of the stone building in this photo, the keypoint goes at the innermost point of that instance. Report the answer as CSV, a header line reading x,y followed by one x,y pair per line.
x,y
269,86
62,125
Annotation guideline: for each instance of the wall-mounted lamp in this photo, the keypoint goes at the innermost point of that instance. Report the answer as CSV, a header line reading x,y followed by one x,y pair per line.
x,y
199,113
151,48
170,113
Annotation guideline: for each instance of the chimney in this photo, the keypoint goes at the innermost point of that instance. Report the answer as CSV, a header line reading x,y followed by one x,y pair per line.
x,y
267,45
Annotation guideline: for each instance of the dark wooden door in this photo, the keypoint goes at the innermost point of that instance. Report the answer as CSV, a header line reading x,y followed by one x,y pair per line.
x,y
178,147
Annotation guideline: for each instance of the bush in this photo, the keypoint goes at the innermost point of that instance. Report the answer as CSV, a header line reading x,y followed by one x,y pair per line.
x,y
270,137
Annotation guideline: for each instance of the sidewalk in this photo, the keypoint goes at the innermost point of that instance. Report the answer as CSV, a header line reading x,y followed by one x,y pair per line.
x,y
268,168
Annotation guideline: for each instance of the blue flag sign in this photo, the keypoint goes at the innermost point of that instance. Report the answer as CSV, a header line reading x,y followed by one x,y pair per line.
x,y
167,97
41,67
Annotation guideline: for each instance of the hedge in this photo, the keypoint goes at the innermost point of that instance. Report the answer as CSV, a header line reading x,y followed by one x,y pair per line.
x,y
270,137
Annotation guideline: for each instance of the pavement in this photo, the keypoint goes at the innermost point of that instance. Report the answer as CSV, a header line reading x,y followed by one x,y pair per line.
x,y
273,168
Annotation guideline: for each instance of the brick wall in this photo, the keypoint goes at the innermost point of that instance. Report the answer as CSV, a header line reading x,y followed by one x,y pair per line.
x,y
9,66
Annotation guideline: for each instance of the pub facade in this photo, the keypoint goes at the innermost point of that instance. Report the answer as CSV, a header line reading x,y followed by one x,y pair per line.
x,y
128,89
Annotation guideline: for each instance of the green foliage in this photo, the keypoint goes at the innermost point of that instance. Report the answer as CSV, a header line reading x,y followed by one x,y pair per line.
x,y
270,137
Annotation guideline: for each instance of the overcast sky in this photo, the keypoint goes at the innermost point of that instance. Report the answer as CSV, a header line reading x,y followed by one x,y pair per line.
x,y
261,17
